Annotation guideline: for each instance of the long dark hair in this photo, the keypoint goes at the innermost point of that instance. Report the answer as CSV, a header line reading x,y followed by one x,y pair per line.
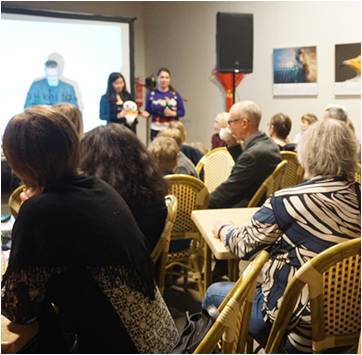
x,y
110,91
116,155
169,73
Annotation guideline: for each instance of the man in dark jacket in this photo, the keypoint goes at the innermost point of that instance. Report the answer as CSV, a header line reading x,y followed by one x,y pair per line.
x,y
253,163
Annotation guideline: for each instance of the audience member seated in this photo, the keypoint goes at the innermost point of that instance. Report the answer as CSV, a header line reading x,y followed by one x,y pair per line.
x,y
296,224
279,129
191,152
199,146
184,164
221,122
73,114
305,121
253,163
114,154
338,112
75,244
165,152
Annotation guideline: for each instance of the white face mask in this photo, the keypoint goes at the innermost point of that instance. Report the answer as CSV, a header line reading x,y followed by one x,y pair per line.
x,y
52,76
225,134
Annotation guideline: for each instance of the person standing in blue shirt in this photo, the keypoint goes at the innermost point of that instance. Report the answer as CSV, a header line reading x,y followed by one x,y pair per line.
x,y
50,90
163,103
111,105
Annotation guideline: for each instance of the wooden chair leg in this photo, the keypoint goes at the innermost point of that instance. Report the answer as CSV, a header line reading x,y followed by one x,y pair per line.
x,y
186,279
250,345
197,272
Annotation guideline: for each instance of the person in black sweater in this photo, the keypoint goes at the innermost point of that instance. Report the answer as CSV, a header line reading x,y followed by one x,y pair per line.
x,y
75,244
117,156
111,105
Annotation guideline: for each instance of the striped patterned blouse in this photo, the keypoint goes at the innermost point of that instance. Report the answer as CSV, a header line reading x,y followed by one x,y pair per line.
x,y
294,225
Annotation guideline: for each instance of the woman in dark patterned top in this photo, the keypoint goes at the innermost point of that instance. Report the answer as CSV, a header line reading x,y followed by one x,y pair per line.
x,y
75,244
296,224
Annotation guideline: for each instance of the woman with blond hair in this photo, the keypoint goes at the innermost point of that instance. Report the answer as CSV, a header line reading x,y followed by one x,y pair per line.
x,y
294,225
73,114
192,153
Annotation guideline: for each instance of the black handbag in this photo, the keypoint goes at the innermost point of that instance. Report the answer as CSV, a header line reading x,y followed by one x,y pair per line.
x,y
196,327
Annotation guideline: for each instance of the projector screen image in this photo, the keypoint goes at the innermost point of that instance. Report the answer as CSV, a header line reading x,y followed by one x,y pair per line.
x,y
51,60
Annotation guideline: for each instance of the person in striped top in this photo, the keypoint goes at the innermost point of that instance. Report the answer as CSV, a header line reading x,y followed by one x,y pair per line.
x,y
294,225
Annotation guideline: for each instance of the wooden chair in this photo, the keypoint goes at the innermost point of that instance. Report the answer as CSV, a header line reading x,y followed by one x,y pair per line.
x,y
15,201
272,183
357,175
216,166
333,279
160,252
231,326
191,194
294,172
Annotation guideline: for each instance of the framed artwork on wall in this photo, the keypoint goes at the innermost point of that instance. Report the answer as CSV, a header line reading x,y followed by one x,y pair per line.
x,y
295,71
347,69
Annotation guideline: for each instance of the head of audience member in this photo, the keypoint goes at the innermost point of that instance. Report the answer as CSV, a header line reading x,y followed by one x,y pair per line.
x,y
172,133
165,152
328,148
73,114
306,120
114,154
200,146
181,127
116,85
279,128
164,80
338,112
244,119
221,121
51,69
42,147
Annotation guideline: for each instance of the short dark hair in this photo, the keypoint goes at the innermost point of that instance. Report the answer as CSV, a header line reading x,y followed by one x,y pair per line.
x,y
282,125
41,146
51,64
116,155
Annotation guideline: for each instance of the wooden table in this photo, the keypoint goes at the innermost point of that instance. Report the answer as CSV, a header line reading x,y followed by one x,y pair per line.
x,y
204,221
7,227
15,336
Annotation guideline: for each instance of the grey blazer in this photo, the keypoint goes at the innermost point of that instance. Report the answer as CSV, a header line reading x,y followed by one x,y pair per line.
x,y
253,165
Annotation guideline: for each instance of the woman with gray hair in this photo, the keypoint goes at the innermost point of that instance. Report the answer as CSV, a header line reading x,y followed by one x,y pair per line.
x,y
294,225
338,112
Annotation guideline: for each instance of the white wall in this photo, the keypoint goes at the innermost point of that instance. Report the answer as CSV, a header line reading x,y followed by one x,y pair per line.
x,y
181,36
110,8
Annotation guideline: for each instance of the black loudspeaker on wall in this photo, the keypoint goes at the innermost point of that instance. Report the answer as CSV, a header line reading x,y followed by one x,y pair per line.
x,y
234,42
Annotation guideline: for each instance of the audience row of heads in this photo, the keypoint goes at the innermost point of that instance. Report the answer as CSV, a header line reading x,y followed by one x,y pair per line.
x,y
280,124
45,144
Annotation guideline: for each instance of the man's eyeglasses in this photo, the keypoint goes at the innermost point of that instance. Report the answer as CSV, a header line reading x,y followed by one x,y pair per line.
x,y
234,120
